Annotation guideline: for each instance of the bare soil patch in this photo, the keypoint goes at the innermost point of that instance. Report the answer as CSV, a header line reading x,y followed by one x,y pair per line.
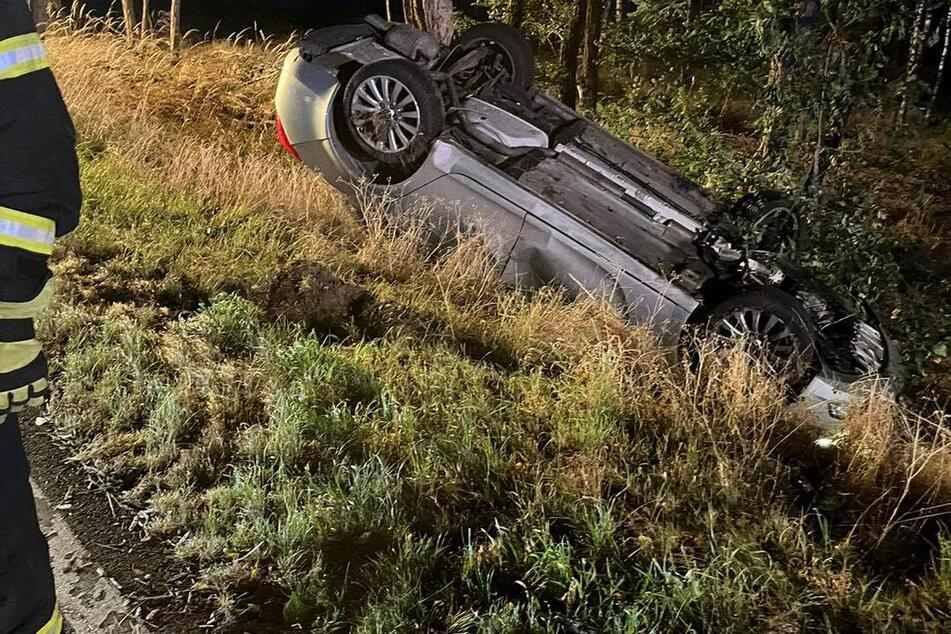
x,y
310,295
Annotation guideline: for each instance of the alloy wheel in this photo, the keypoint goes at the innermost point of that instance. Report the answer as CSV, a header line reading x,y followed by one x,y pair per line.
x,y
767,334
385,113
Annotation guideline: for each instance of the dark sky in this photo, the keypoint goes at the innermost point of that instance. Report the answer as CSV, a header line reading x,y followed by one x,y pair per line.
x,y
273,16
277,15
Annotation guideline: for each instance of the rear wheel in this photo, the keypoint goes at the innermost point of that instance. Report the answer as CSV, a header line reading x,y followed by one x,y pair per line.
x,y
774,326
394,111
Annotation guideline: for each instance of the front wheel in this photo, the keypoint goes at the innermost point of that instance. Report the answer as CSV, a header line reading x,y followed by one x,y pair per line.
x,y
770,223
504,51
774,326
394,111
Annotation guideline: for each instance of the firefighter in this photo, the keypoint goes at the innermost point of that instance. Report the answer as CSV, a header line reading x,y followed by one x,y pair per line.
x,y
39,201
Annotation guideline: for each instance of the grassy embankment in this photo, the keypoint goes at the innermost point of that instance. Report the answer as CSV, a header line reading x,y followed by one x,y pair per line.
x,y
439,451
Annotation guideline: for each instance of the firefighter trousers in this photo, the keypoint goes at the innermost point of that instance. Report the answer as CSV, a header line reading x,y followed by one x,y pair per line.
x,y
27,594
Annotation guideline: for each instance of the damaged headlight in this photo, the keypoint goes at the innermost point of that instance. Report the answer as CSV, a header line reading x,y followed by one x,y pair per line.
x,y
868,347
725,251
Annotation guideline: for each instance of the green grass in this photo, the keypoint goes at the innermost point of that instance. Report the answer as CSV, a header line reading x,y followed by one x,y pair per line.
x,y
393,485
163,234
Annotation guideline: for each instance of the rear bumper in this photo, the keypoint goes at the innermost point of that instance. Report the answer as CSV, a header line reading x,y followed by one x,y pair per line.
x,y
304,103
305,93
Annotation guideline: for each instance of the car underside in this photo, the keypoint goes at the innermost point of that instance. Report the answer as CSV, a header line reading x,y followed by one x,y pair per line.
x,y
562,201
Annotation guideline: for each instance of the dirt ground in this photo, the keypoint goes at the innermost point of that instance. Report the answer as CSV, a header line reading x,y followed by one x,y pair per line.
x,y
112,577
312,296
91,599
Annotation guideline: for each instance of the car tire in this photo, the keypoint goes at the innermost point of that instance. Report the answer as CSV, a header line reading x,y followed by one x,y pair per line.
x,y
777,327
510,42
770,221
394,110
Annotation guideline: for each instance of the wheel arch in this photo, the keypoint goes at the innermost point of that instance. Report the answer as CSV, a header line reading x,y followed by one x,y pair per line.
x,y
715,291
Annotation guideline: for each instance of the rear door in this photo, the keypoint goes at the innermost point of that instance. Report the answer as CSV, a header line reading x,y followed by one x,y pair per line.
x,y
461,194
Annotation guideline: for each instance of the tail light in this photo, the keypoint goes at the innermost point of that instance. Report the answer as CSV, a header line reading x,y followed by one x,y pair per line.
x,y
283,140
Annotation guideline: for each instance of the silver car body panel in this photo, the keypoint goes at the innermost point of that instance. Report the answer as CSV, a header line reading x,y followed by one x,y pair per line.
x,y
551,246
827,400
501,126
305,97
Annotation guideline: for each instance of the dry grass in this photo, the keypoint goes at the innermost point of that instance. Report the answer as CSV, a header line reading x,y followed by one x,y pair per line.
x,y
201,124
619,492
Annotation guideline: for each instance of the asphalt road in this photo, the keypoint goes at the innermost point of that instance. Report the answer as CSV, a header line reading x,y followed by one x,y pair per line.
x,y
90,601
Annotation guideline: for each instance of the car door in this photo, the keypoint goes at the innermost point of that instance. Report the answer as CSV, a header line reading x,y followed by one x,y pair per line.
x,y
462,195
553,248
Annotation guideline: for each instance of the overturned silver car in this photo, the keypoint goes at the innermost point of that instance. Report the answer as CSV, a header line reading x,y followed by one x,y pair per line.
x,y
561,201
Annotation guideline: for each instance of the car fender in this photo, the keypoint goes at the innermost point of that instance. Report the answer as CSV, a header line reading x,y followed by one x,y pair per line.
x,y
305,99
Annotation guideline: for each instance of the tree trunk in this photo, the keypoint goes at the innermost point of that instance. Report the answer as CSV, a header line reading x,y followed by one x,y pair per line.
x,y
517,13
128,17
942,64
432,16
570,52
619,11
146,19
175,24
591,54
915,45
832,118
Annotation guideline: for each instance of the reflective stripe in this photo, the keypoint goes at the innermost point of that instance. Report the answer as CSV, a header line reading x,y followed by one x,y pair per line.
x,y
16,356
26,231
21,55
54,625
30,309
